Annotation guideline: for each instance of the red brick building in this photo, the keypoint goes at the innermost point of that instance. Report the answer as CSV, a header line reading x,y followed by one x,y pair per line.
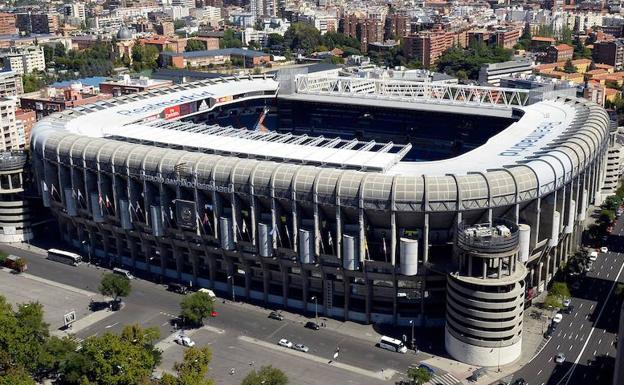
x,y
57,100
427,46
7,24
559,53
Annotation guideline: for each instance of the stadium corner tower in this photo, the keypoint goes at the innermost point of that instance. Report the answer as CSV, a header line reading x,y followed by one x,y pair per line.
x,y
388,201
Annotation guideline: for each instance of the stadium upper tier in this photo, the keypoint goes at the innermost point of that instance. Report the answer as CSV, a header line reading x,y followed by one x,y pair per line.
x,y
545,148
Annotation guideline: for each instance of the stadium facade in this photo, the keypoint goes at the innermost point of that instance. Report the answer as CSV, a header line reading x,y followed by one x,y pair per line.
x,y
418,228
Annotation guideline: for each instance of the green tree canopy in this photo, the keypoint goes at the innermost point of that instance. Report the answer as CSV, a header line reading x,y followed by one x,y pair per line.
x,y
230,40
556,294
302,36
192,370
569,68
144,57
419,375
470,60
114,285
196,307
275,39
266,375
16,377
195,45
112,360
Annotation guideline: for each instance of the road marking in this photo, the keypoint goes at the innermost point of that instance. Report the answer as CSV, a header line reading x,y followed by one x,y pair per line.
x,y
540,372
582,326
558,346
385,375
580,306
570,348
595,351
277,330
604,304
110,326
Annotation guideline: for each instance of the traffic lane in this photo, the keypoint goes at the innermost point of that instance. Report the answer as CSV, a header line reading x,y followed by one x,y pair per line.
x,y
231,316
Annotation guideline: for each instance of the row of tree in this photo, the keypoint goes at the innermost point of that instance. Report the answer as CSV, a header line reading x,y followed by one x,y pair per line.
x,y
465,63
28,353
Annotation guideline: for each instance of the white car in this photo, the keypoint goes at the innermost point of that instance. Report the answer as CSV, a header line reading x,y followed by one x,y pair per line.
x,y
604,249
593,256
285,343
567,302
557,318
184,341
560,358
301,348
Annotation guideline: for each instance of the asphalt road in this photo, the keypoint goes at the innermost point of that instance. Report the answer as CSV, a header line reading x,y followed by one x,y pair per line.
x,y
151,304
586,336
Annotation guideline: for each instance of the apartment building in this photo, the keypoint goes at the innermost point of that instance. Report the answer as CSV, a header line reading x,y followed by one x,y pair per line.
x,y
51,100
10,138
40,23
493,73
397,26
25,120
10,84
366,28
23,60
559,53
7,24
609,52
427,46
76,10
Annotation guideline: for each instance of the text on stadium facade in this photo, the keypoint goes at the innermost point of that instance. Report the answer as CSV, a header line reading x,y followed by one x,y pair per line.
x,y
528,141
182,182
153,106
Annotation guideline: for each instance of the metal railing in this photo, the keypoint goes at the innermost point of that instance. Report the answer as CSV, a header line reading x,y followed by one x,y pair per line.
x,y
494,243
410,91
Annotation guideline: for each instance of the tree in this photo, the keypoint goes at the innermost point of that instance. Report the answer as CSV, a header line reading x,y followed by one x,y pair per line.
x,y
112,360
230,40
267,375
569,68
114,285
196,307
275,40
16,377
469,60
557,293
192,370
419,375
195,45
302,36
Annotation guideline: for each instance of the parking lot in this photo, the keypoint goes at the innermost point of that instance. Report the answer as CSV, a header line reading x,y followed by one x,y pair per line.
x,y
56,299
244,354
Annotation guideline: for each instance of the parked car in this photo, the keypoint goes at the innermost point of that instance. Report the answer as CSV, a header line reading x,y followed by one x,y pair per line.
x,y
569,309
519,381
604,249
276,316
593,256
567,302
301,348
557,318
560,358
427,368
312,325
184,341
285,343
177,288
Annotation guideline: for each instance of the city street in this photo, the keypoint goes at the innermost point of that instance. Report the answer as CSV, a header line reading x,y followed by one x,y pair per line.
x,y
151,305
587,335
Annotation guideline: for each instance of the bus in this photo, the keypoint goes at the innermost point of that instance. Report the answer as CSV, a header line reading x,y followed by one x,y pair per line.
x,y
392,344
64,257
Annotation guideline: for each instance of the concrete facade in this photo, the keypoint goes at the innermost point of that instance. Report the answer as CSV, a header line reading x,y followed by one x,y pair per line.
x,y
244,218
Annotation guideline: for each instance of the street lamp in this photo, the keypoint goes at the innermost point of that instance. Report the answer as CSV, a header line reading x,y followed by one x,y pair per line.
x,y
413,342
231,278
315,308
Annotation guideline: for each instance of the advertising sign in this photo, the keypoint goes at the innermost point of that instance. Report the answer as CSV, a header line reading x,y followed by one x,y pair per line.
x,y
171,112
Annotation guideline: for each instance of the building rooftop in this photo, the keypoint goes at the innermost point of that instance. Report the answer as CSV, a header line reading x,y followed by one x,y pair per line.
x,y
217,52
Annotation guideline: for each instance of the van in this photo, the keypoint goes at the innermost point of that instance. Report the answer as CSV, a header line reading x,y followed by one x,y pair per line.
x,y
123,272
210,293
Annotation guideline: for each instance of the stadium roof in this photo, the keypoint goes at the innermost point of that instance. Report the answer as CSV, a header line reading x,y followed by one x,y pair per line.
x,y
551,142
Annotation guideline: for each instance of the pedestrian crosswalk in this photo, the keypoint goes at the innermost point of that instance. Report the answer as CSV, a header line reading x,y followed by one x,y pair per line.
x,y
443,379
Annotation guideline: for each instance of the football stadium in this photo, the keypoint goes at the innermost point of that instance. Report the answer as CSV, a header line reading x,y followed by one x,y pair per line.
x,y
378,201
